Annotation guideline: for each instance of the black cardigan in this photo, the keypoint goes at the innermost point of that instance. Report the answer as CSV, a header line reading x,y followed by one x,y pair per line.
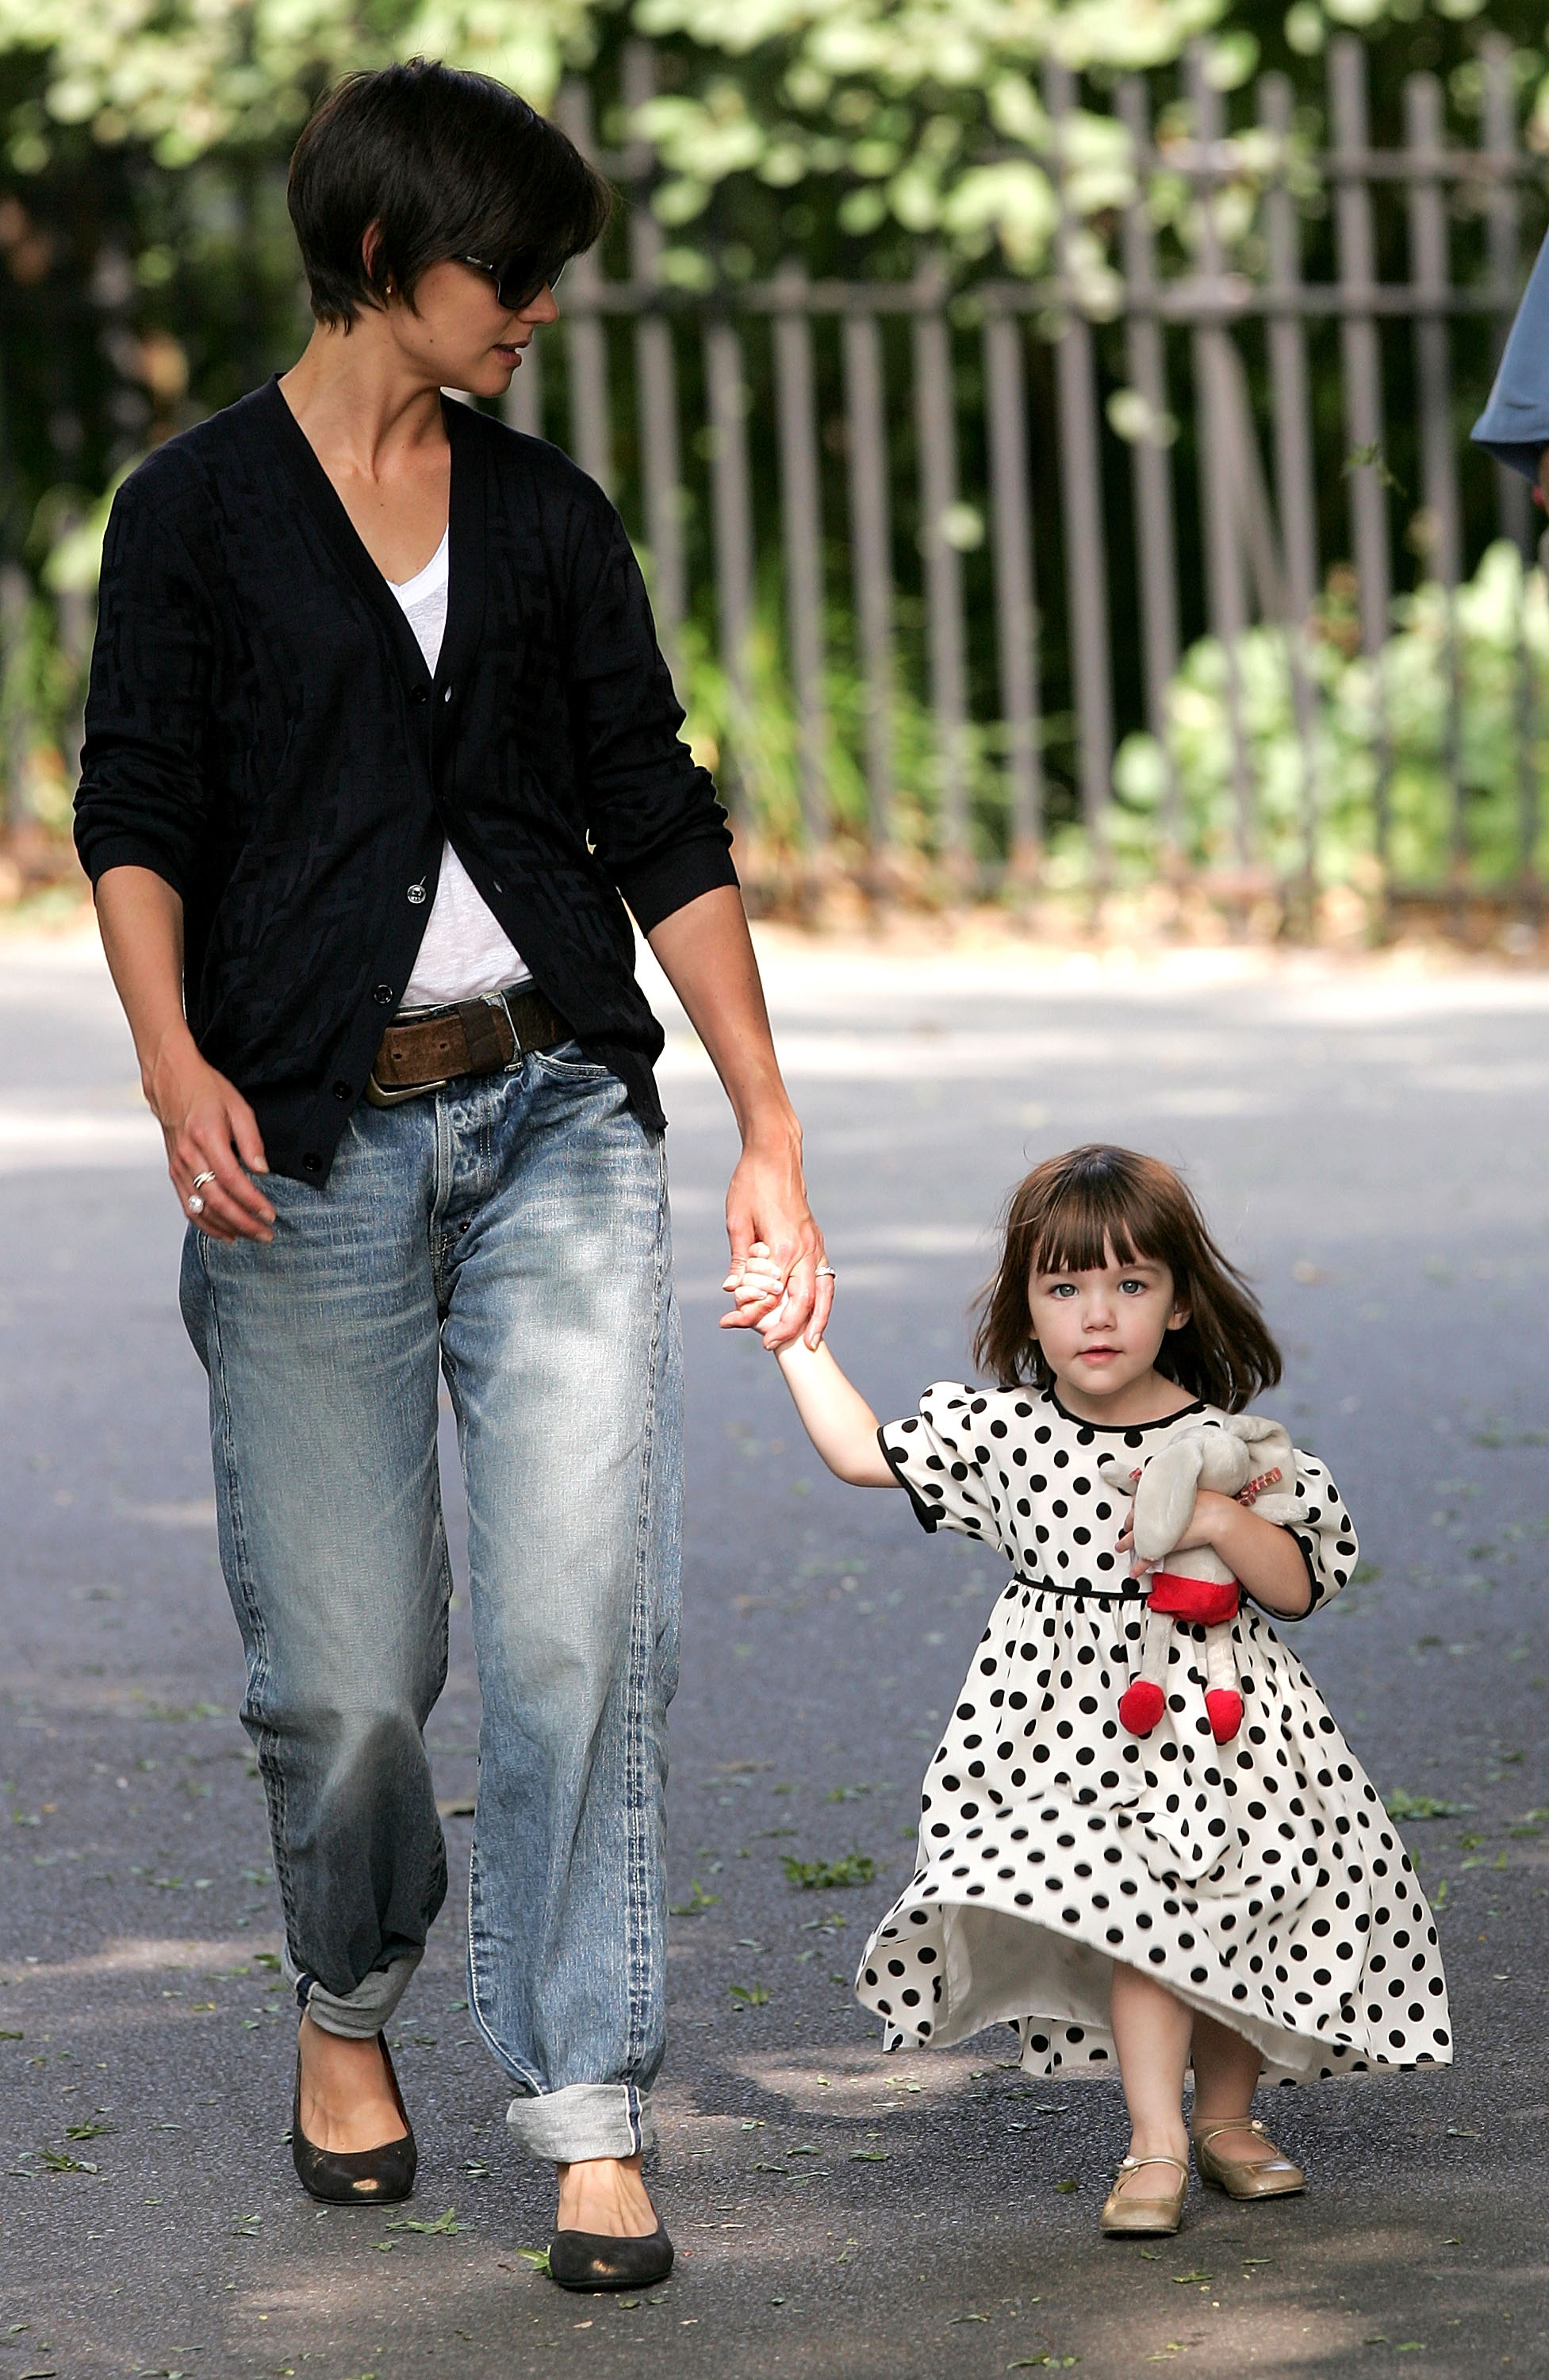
x,y
261,731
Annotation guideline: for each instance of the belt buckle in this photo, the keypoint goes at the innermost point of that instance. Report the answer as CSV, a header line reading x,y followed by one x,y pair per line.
x,y
377,1096
501,1000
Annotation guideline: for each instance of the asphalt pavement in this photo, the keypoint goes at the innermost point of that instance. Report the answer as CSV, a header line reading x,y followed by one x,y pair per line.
x,y
1371,1141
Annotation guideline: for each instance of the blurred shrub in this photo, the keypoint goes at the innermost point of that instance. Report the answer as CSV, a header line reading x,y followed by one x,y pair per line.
x,y
1449,670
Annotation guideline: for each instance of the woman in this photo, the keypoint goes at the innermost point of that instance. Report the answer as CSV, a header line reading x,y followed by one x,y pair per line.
x,y
378,745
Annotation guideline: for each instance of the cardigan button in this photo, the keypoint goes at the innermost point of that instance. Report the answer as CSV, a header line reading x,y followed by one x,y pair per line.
x,y
419,694
311,1162
383,995
342,1091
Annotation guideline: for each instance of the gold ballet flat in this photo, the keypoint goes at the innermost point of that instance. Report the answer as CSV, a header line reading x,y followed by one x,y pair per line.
x,y
1147,2217
1274,2177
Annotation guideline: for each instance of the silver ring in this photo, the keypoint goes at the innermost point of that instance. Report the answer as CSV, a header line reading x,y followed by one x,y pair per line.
x,y
196,1204
829,1270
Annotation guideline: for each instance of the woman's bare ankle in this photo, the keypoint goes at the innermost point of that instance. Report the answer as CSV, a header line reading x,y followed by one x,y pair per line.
x,y
347,2102
605,2196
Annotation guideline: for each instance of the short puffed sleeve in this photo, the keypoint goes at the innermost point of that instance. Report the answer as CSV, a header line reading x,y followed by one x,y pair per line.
x,y
1322,1528
932,1454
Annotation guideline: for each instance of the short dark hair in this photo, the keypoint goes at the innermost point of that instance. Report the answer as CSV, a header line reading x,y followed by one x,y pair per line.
x,y
1101,1205
449,164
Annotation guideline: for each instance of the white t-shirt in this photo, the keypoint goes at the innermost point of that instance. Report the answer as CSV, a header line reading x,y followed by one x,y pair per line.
x,y
465,951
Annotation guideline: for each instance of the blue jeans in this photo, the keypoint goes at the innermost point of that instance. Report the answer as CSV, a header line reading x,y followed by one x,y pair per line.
x,y
511,1231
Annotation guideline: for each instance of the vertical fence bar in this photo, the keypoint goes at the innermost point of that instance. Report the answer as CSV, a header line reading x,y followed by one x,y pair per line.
x,y
731,512
1503,216
1430,283
1503,210
1145,360
1295,484
1226,591
936,430
1361,361
1081,501
523,405
801,506
871,561
73,612
585,332
1016,609
655,372
15,599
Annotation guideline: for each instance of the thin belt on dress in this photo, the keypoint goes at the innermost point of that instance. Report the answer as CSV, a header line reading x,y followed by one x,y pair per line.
x,y
1081,1594
426,1048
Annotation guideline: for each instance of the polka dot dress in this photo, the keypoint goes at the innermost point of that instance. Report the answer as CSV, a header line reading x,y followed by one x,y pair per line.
x,y
1261,1880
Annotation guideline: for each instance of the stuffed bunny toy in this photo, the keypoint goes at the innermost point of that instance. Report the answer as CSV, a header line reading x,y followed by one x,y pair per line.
x,y
1248,1457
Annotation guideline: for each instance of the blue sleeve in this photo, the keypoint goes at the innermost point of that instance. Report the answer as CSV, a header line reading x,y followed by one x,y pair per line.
x,y
1514,426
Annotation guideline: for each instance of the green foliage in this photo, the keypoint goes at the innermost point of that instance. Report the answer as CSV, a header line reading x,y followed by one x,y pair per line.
x,y
1475,643
1400,1804
697,1903
754,743
828,1875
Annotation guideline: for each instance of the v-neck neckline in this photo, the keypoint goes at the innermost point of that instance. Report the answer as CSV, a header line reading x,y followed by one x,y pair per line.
x,y
464,537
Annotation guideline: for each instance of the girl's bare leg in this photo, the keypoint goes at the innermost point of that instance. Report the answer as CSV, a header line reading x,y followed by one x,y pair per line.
x,y
1226,2076
1151,2031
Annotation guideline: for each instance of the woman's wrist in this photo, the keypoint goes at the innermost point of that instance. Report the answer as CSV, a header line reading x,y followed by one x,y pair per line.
x,y
166,1069
770,1127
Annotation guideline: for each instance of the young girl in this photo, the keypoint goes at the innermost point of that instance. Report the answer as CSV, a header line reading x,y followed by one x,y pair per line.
x,y
1243,1909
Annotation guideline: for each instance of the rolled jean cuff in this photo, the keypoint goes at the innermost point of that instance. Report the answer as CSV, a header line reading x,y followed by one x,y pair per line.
x,y
359,2014
586,2119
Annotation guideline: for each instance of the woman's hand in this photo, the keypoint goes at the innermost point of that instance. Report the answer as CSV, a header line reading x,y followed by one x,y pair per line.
x,y
210,1132
708,958
767,1207
213,1140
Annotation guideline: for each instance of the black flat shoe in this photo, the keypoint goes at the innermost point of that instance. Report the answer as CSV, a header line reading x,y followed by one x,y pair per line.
x,y
380,2175
590,2260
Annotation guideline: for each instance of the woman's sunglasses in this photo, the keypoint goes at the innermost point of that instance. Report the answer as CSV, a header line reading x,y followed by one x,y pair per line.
x,y
520,278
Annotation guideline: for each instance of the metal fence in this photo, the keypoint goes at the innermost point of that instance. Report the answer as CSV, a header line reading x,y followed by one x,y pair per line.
x,y
923,474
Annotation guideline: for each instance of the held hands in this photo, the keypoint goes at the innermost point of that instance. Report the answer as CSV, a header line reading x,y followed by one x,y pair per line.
x,y
764,1295
214,1147
758,1287
789,1290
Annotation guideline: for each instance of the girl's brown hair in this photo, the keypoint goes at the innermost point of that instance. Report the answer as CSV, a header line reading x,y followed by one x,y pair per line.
x,y
1066,1216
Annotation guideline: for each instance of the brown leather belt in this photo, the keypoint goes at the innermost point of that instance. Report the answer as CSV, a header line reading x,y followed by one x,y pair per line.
x,y
474,1037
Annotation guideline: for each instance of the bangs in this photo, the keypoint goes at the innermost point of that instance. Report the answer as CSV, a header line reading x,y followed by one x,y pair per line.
x,y
1095,1212
1079,1231
548,202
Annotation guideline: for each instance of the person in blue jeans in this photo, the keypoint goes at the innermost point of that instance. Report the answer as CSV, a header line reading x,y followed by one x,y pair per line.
x,y
1514,426
380,745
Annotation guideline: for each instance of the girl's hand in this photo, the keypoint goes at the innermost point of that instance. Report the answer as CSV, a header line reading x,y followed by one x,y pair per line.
x,y
758,1289
1203,1528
